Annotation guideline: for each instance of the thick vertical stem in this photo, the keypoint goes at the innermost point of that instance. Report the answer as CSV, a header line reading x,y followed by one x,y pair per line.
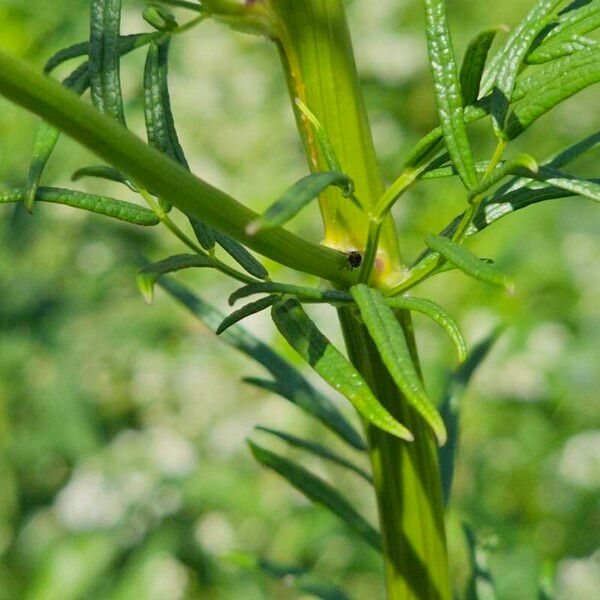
x,y
317,56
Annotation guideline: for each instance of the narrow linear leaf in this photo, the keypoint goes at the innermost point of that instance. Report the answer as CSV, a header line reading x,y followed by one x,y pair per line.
x,y
246,311
204,234
159,19
456,384
289,383
447,90
102,205
127,43
541,100
104,172
297,197
583,187
512,60
242,256
333,164
523,164
306,294
317,491
473,64
386,332
437,314
555,51
148,275
302,335
105,78
569,29
467,262
481,583
317,450
521,36
439,172
47,137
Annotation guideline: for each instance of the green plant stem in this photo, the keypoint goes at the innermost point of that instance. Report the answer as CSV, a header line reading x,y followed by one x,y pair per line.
x,y
152,170
406,475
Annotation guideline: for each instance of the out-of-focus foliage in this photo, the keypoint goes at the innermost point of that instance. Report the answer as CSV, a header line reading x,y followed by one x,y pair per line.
x,y
123,468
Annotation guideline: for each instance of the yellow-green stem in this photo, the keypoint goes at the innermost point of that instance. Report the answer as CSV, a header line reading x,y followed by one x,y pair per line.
x,y
317,57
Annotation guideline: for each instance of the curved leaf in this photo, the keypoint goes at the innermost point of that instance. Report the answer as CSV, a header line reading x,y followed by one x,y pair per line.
x,y
148,275
317,491
473,64
47,137
317,450
386,332
302,335
105,77
306,294
297,197
102,205
242,256
104,172
437,314
467,262
447,90
245,311
289,383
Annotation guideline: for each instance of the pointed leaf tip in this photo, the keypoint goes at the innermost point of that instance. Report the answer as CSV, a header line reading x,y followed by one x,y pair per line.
x,y
145,282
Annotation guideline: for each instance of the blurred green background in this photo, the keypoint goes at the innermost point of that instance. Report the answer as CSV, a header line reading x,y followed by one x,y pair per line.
x,y
124,472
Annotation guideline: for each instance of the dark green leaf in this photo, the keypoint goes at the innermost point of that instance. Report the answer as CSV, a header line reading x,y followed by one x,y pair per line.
x,y
102,205
317,491
204,234
105,78
289,383
297,197
481,584
473,65
317,450
383,327
447,90
159,18
302,335
246,311
305,294
47,137
467,262
246,260
148,275
104,172
456,384
437,314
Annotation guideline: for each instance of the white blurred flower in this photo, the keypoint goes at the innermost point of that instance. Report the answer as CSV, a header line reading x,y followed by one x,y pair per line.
x,y
214,533
579,578
580,460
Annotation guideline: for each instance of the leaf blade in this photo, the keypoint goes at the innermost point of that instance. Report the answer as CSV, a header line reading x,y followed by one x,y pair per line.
x,y
249,309
302,335
318,492
473,64
384,329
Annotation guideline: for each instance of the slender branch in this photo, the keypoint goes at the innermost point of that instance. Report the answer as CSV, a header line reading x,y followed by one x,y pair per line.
x,y
152,170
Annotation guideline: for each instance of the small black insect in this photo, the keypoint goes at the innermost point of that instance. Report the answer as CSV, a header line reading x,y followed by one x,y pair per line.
x,y
354,258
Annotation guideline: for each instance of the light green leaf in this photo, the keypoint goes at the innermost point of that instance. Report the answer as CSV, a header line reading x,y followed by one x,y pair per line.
x,y
521,37
439,172
437,314
383,327
306,294
104,172
456,384
289,383
246,311
317,450
102,205
302,334
318,492
467,262
47,137
148,275
583,187
544,98
105,77
523,164
447,91
512,58
473,64
567,35
159,19
297,197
